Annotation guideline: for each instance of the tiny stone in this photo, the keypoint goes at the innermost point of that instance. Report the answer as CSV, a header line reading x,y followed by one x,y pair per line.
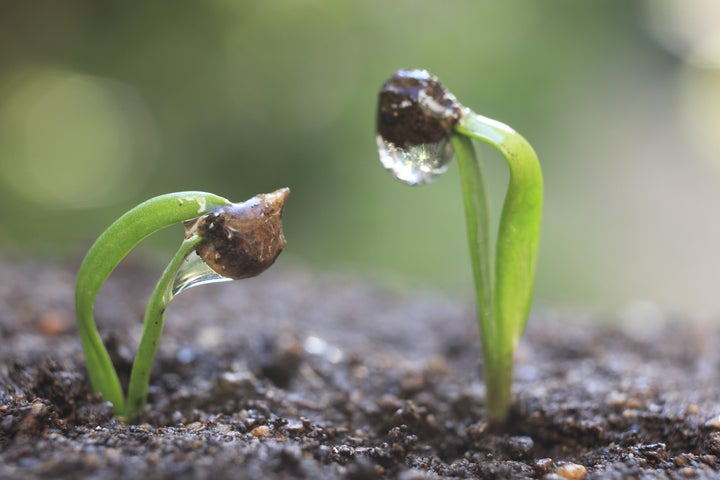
x,y
295,427
261,431
629,413
687,472
520,446
713,423
38,409
543,465
616,399
185,355
53,323
572,471
712,442
196,427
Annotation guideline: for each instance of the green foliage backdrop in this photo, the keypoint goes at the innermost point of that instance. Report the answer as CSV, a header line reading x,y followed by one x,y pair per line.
x,y
104,104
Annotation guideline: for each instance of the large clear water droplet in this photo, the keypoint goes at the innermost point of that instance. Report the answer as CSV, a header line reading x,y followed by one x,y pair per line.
x,y
418,164
194,272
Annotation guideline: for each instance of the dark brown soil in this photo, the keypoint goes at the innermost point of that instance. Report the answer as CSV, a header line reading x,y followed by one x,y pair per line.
x,y
298,375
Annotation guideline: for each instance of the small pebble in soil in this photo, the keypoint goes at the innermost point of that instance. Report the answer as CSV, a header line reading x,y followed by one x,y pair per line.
x,y
543,466
318,346
185,355
54,323
260,431
688,472
654,452
571,471
712,443
713,423
518,447
680,461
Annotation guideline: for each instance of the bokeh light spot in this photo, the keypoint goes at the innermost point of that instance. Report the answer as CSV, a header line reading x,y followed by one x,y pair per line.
x,y
73,140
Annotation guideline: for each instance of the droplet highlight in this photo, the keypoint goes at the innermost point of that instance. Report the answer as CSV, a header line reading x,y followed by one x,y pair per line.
x,y
418,164
416,117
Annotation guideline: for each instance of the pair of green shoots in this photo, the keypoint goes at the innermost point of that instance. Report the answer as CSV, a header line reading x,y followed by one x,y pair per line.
x,y
420,126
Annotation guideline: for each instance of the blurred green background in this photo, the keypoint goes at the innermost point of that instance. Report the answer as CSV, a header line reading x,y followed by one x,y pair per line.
x,y
103,104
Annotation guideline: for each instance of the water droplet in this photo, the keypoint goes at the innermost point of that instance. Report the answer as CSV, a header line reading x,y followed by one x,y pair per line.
x,y
416,117
418,164
194,272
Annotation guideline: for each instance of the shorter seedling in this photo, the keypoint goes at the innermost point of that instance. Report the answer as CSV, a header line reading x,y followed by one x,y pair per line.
x,y
420,126
223,241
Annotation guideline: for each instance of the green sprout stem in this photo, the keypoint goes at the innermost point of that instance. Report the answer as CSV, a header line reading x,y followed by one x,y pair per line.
x,y
152,329
102,258
503,300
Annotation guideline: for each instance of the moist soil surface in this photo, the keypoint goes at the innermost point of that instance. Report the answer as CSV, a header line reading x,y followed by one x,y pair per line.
x,y
305,375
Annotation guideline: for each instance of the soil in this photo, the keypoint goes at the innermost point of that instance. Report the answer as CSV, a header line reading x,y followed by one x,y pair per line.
x,y
306,375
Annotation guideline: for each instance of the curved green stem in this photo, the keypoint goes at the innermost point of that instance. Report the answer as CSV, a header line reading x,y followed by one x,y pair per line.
x,y
515,251
102,258
477,221
152,329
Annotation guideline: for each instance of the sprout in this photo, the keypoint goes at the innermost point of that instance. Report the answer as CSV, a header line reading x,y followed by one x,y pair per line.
x,y
223,241
420,125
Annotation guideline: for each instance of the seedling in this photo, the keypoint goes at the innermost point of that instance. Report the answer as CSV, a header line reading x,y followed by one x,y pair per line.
x,y
420,125
223,241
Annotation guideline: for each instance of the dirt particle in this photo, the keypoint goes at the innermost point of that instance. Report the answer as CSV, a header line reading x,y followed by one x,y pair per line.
x,y
195,427
688,472
616,399
54,323
543,466
571,471
654,452
518,447
712,443
713,423
260,431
